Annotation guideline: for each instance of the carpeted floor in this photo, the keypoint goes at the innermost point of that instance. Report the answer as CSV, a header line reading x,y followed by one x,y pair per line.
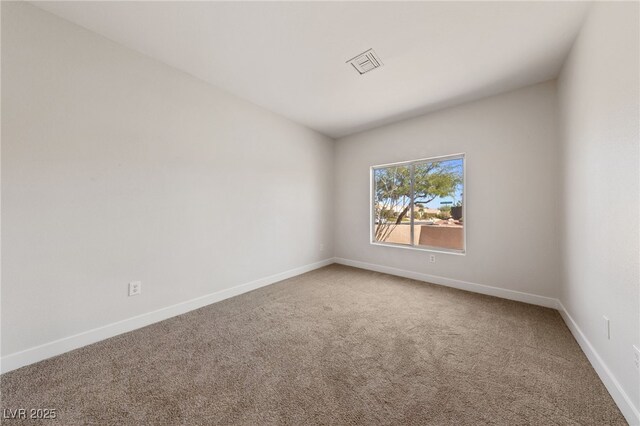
x,y
339,346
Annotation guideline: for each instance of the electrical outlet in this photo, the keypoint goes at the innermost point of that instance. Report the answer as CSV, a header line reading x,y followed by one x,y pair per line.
x,y
432,258
607,327
321,247
135,288
636,356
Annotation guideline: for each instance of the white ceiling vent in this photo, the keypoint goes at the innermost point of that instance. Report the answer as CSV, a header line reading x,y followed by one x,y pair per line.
x,y
366,61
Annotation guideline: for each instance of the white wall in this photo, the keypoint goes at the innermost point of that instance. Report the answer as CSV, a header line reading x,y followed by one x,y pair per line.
x,y
599,93
116,168
512,216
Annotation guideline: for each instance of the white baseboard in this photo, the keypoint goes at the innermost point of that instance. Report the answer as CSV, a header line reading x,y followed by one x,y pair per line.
x,y
627,407
60,346
620,397
519,296
66,344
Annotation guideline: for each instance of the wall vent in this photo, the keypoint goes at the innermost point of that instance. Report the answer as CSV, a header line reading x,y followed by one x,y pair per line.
x,y
365,62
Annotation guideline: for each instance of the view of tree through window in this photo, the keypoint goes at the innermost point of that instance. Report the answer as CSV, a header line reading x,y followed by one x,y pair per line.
x,y
420,203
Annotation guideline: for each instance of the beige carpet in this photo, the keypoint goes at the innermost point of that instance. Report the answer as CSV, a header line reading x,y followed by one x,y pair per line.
x,y
335,346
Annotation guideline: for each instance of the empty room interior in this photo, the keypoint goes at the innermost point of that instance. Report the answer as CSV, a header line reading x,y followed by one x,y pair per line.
x,y
300,213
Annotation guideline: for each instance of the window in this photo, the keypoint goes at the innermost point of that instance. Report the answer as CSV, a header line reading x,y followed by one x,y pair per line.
x,y
420,204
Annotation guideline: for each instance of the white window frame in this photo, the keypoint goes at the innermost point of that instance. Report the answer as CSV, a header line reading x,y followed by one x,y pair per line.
x,y
412,164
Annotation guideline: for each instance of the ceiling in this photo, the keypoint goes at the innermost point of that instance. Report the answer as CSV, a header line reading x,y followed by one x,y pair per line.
x,y
289,57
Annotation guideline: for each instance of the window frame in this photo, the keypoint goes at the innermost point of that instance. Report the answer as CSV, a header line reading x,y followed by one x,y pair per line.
x,y
412,164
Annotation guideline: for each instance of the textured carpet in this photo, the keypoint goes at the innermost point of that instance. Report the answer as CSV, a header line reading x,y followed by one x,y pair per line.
x,y
337,345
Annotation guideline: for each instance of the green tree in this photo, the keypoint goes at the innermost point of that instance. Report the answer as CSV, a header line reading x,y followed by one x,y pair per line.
x,y
445,212
393,191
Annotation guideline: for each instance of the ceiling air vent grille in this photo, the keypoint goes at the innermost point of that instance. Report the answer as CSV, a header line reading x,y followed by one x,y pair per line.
x,y
365,62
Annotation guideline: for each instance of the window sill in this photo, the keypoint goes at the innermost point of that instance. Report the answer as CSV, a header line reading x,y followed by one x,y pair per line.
x,y
421,248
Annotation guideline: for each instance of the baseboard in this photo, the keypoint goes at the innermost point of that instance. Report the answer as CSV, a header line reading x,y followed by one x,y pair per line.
x,y
620,397
627,407
519,296
66,344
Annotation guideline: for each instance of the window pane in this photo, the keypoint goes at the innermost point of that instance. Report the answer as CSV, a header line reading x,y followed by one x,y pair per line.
x,y
438,189
392,215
